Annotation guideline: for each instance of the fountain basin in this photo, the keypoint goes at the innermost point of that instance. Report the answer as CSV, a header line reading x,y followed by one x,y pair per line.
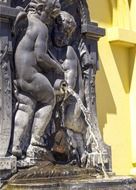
x,y
47,176
114,183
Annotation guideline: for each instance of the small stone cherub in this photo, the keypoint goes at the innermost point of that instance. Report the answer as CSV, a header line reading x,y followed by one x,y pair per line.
x,y
64,27
62,32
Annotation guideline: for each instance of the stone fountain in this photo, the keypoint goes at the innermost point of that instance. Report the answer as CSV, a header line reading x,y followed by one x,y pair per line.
x,y
49,133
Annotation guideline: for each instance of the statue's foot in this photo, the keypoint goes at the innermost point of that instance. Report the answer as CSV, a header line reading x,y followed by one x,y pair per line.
x,y
25,163
39,154
37,142
16,151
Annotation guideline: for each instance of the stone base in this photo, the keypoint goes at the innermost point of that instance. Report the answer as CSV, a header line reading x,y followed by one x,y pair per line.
x,y
46,176
95,158
7,168
49,174
114,183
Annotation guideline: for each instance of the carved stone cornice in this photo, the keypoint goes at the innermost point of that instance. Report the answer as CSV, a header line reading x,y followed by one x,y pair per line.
x,y
91,30
7,12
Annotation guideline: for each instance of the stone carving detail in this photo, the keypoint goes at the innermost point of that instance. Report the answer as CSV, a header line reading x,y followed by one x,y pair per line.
x,y
5,97
53,86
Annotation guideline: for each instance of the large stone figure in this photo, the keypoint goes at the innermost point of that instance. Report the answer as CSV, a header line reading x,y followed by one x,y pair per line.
x,y
36,98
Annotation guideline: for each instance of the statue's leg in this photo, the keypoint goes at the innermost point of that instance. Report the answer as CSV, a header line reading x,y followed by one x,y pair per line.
x,y
23,120
71,120
36,149
41,120
46,98
75,129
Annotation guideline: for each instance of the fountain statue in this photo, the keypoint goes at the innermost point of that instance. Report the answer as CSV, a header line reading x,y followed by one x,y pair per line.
x,y
49,126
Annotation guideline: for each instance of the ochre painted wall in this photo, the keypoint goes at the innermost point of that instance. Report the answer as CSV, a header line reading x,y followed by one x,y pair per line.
x,y
116,80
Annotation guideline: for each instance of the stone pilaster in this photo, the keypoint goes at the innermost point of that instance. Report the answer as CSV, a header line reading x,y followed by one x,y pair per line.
x,y
92,33
7,162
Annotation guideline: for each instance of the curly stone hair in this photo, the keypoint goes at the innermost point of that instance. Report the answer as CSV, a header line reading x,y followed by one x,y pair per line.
x,y
33,4
67,20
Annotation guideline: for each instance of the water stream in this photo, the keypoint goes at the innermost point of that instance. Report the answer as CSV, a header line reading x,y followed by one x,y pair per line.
x,y
87,116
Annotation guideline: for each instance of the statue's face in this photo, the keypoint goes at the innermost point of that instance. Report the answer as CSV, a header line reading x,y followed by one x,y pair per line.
x,y
61,35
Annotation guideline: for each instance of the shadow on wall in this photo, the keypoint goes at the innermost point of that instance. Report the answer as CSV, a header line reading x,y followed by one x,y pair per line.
x,y
121,57
104,98
100,11
132,58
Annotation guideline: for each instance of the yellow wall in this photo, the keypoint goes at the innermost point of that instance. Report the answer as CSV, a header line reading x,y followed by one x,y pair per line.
x,y
116,80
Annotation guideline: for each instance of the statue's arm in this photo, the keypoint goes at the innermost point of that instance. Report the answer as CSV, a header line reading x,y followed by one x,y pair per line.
x,y
43,59
75,73
70,67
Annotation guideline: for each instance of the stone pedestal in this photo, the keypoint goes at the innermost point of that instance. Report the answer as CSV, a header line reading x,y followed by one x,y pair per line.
x,y
59,177
96,158
92,33
7,166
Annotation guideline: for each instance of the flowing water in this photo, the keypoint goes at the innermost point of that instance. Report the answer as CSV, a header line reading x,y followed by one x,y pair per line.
x,y
87,116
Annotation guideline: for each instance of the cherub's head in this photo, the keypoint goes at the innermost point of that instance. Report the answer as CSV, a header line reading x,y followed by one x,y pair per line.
x,y
63,29
45,8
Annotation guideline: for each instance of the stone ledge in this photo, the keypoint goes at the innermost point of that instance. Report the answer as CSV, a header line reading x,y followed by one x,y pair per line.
x,y
5,2
92,30
8,167
96,158
113,183
8,163
121,37
8,12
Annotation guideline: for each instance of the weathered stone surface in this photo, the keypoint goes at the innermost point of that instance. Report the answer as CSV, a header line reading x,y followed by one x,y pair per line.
x,y
8,166
8,163
8,12
77,183
5,96
93,30
40,120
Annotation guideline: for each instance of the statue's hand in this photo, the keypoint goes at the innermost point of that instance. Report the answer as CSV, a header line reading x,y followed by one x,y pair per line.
x,y
60,87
